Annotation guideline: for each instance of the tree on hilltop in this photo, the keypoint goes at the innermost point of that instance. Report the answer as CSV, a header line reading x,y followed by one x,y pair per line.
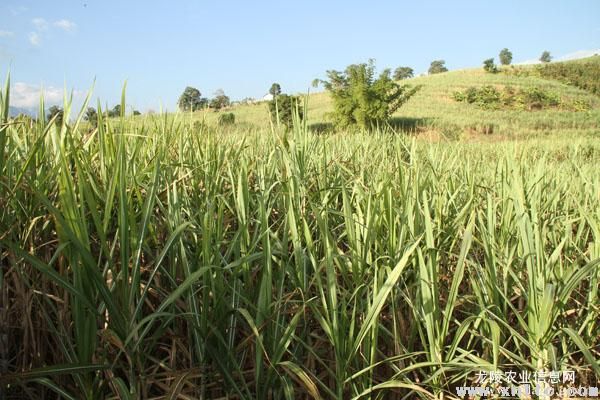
x,y
505,56
545,57
191,100
489,66
220,100
403,73
437,67
275,89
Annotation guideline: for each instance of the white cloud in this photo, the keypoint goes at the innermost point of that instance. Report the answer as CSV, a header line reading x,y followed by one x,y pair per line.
x,y
6,33
40,23
26,95
579,54
65,25
34,38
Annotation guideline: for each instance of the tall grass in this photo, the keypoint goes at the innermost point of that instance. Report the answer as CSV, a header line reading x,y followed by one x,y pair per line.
x,y
162,260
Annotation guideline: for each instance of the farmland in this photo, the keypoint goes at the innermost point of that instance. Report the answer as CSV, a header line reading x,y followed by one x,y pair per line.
x,y
161,257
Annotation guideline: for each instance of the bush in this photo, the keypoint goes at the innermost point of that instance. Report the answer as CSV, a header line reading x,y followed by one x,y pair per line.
x,y
533,98
485,97
227,119
362,100
582,74
489,66
283,107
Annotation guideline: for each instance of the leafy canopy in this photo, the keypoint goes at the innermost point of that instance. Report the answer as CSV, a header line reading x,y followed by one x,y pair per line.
x,y
362,100
546,57
220,100
91,115
489,66
283,107
275,89
505,56
437,67
403,73
56,111
191,100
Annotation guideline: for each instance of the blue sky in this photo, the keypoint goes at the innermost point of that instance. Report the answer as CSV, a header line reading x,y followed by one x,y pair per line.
x,y
160,47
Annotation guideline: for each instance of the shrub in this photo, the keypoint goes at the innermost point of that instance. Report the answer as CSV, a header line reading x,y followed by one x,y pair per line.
x,y
362,100
485,97
489,66
282,108
582,74
489,97
227,119
535,98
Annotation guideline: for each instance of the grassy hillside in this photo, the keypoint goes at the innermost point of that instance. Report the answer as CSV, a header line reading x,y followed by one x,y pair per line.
x,y
433,113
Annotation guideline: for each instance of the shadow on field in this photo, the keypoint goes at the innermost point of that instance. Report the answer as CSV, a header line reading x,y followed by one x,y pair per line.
x,y
409,124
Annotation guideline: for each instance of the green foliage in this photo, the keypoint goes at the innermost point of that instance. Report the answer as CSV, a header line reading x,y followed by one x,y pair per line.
x,y
115,112
403,73
283,107
226,119
582,74
91,115
56,111
361,100
546,57
136,112
191,100
530,98
489,66
437,67
505,56
275,89
220,100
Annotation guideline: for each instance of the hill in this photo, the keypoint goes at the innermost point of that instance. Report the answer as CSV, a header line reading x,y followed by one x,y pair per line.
x,y
434,113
